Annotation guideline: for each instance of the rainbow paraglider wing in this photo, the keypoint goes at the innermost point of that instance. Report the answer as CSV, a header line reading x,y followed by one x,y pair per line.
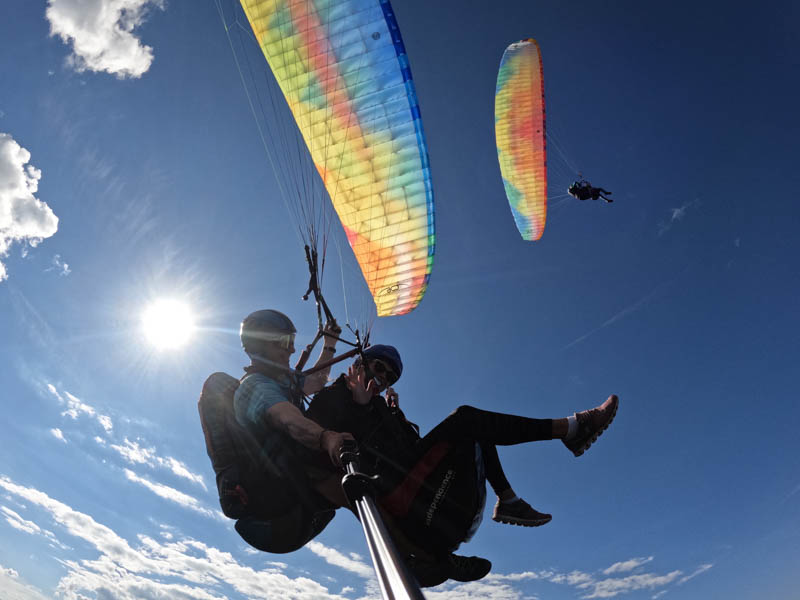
x,y
520,136
343,70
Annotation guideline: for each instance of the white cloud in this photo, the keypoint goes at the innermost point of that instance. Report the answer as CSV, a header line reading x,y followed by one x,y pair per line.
x,y
494,588
701,569
173,495
77,407
354,564
58,434
59,266
16,589
105,422
675,215
185,569
608,588
23,217
16,521
627,565
136,454
100,33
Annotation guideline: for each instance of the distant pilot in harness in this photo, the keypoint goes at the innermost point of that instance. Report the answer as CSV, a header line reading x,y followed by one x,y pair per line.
x,y
583,190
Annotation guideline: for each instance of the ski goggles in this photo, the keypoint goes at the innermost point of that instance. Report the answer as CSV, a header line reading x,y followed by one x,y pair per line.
x,y
284,340
383,371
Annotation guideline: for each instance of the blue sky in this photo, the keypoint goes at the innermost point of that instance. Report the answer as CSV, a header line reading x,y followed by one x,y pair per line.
x,y
132,163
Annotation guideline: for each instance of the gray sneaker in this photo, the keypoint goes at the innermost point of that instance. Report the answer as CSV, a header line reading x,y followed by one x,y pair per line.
x,y
519,512
591,425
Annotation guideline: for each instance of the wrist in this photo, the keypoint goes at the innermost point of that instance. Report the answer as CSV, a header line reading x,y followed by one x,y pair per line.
x,y
321,439
329,348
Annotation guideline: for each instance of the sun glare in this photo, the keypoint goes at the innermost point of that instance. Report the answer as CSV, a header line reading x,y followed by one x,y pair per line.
x,y
167,324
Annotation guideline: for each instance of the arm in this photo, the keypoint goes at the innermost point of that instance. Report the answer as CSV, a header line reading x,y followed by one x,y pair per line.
x,y
317,381
286,417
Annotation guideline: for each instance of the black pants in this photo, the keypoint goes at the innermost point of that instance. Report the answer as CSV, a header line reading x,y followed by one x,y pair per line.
x,y
489,429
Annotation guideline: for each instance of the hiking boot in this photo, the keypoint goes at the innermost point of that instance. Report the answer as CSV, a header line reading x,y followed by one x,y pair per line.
x,y
591,425
519,512
468,568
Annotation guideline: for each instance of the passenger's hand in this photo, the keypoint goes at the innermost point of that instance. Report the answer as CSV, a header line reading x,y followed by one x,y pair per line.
x,y
331,442
392,398
358,385
331,332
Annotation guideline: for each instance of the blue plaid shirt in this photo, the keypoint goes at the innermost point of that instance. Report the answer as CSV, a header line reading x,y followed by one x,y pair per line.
x,y
254,397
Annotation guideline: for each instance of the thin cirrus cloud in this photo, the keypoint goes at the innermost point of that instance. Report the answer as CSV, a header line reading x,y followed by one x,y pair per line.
x,y
627,565
353,563
131,451
675,215
74,407
497,586
136,454
182,568
173,495
16,521
57,265
101,34
23,217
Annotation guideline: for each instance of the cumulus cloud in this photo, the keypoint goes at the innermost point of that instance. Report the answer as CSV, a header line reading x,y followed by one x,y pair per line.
x,y
23,217
184,569
101,34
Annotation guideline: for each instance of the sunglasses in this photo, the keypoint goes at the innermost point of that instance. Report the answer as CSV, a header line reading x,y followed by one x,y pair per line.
x,y
384,371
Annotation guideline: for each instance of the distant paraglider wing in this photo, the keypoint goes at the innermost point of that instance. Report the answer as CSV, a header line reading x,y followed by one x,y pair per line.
x,y
343,70
520,135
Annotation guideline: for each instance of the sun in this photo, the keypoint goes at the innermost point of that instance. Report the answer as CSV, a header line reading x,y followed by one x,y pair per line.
x,y
167,324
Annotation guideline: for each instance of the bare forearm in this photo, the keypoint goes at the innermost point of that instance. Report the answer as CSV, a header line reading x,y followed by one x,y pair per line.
x,y
289,419
305,432
317,381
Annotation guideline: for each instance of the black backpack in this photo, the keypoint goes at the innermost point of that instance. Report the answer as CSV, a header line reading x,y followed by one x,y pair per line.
x,y
248,482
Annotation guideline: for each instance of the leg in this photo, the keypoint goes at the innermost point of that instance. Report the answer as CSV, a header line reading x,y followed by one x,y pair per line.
x,y
494,472
509,508
468,423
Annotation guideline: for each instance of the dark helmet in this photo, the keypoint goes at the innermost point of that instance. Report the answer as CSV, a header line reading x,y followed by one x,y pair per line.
x,y
265,326
387,354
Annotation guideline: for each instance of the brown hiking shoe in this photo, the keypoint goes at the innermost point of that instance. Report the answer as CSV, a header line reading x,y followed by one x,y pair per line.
x,y
591,425
519,512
